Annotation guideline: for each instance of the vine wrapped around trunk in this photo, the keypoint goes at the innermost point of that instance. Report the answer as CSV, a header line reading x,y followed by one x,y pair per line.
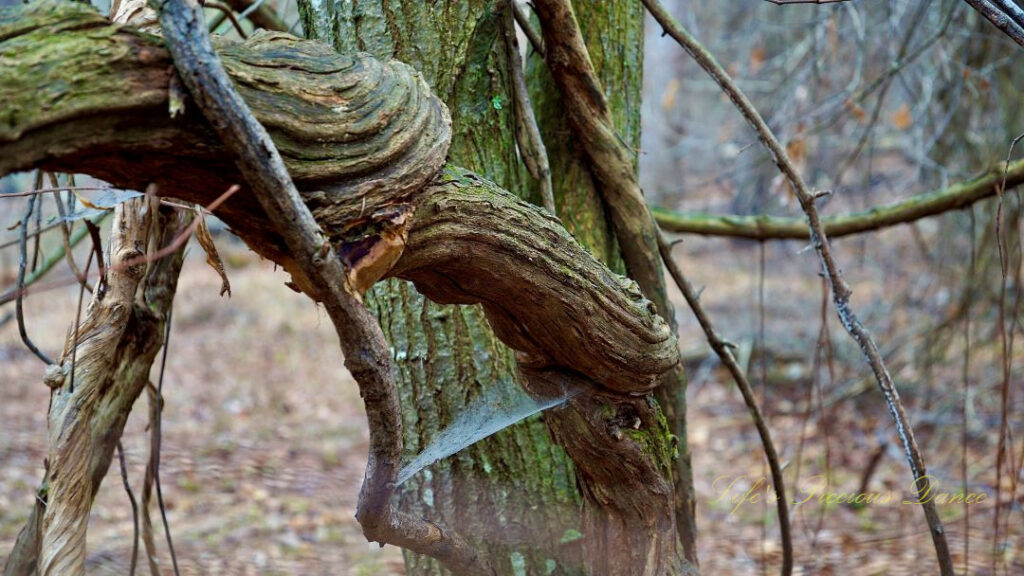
x,y
389,207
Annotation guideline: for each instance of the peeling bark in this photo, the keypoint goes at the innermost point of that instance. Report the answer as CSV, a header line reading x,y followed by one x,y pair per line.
x,y
117,342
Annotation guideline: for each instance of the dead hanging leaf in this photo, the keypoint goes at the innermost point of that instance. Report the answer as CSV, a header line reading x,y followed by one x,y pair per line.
x,y
212,256
901,118
797,149
855,110
668,97
757,59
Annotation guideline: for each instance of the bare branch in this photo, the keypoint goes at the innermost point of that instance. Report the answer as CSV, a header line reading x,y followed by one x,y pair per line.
x,y
928,204
739,376
366,353
135,508
528,138
20,287
840,289
154,458
1009,19
260,13
226,12
523,20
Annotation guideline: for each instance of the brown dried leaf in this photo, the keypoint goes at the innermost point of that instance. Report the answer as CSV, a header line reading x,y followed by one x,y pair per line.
x,y
901,118
855,110
212,256
757,58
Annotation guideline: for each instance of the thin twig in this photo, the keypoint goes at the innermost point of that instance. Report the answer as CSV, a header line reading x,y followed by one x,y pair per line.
x,y
97,246
157,434
19,288
1015,469
762,363
824,348
528,137
228,13
724,352
135,507
65,233
38,191
1005,361
260,13
39,223
366,352
841,291
968,298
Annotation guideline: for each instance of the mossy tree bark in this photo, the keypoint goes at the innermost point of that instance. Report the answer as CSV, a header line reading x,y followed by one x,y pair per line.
x,y
571,320
513,494
613,33
518,476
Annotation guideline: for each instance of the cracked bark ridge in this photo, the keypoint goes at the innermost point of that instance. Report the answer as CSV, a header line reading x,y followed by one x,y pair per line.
x,y
568,309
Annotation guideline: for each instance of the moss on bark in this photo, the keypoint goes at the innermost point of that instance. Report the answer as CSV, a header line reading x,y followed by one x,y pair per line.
x,y
513,494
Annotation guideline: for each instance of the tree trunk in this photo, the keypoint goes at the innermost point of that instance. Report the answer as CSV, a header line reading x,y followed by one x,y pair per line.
x,y
513,495
517,476
573,323
613,32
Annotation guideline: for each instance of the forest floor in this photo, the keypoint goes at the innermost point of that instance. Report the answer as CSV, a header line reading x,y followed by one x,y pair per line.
x,y
265,439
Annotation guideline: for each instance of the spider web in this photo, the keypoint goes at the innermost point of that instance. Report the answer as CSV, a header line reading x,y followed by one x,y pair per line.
x,y
497,407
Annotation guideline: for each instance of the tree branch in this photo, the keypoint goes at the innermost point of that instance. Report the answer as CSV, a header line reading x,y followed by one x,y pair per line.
x,y
724,352
610,161
618,339
117,342
1004,16
613,165
571,314
840,289
762,227
362,342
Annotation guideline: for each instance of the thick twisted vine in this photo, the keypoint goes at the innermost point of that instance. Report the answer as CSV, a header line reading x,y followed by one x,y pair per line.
x,y
362,144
